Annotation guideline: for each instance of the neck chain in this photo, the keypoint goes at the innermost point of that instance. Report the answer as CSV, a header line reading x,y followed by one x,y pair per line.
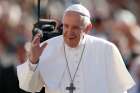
x,y
67,63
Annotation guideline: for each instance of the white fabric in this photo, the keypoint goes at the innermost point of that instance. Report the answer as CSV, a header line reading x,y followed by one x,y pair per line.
x,y
78,8
29,80
102,69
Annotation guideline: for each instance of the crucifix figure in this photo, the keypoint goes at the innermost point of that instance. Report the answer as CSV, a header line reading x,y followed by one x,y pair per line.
x,y
71,88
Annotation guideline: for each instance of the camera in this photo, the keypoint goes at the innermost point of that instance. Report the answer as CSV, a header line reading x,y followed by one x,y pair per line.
x,y
47,28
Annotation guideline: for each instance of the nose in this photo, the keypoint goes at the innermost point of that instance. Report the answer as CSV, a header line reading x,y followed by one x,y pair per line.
x,y
71,33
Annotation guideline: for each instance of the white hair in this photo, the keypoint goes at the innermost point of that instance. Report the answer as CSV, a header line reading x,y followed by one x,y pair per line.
x,y
86,21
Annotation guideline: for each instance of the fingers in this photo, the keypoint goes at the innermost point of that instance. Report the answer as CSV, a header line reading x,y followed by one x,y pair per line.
x,y
36,43
36,40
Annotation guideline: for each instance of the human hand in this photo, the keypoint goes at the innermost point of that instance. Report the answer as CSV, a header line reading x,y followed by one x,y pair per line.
x,y
36,49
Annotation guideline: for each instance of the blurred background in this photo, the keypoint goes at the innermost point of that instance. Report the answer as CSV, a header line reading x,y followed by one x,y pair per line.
x,y
117,21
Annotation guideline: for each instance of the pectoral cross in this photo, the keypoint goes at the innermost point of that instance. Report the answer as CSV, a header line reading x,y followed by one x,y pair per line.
x,y
71,88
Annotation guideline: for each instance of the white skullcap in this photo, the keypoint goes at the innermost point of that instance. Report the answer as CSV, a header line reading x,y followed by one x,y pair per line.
x,y
79,9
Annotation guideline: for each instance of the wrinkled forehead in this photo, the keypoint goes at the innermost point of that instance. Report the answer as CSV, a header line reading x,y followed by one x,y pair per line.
x,y
73,19
72,16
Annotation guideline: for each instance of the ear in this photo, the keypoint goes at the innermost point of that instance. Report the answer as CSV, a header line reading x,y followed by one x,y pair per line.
x,y
88,28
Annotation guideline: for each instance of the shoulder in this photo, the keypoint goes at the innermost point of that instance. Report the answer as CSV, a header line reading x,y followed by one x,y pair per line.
x,y
95,41
54,42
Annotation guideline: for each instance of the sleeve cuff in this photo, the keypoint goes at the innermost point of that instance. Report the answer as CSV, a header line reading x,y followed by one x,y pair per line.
x,y
32,66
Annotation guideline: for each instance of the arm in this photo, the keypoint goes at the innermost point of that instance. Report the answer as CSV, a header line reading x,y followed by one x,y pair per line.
x,y
29,78
28,74
118,77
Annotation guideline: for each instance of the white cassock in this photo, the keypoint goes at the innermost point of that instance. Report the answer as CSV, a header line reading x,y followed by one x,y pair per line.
x,y
102,69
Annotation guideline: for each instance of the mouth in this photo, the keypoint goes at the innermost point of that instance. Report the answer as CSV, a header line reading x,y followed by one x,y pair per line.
x,y
72,38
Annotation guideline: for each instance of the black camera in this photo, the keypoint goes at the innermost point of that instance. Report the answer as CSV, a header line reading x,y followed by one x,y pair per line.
x,y
47,29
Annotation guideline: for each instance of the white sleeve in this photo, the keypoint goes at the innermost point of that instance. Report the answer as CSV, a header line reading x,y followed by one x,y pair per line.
x,y
50,91
118,77
29,77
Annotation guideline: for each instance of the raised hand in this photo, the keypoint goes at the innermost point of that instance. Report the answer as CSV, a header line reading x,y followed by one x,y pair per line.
x,y
36,49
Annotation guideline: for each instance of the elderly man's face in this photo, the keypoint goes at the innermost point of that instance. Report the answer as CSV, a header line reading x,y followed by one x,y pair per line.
x,y
72,26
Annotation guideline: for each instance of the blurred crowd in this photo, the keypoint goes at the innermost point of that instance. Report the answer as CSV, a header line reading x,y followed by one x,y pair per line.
x,y
117,21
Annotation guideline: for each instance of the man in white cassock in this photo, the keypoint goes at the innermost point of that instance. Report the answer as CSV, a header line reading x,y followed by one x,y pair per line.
x,y
74,62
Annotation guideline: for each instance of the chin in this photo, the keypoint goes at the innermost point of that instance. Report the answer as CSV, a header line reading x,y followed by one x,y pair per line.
x,y
72,45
